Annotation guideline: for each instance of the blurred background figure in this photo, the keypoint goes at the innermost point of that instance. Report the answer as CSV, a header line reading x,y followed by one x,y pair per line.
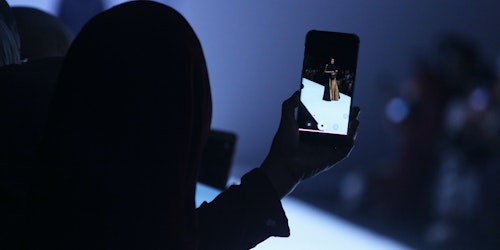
x,y
440,184
42,34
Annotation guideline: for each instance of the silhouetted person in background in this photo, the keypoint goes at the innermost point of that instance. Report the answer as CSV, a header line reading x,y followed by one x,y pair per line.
x,y
121,152
42,34
440,185
25,91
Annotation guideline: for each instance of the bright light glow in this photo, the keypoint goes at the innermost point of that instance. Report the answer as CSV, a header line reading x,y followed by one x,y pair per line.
x,y
455,115
397,110
176,4
49,6
52,6
111,3
312,228
479,99
205,193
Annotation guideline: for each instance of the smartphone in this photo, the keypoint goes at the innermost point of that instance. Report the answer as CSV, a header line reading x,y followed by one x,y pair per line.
x,y
327,86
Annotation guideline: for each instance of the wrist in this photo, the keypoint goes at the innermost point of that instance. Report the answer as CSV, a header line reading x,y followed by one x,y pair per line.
x,y
280,177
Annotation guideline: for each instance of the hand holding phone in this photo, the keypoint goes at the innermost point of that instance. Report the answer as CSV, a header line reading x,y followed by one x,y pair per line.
x,y
291,161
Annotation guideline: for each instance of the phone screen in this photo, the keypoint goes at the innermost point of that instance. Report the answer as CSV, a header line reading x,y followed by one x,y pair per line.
x,y
327,85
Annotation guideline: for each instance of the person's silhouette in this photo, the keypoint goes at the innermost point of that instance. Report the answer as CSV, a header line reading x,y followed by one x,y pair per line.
x,y
130,116
42,34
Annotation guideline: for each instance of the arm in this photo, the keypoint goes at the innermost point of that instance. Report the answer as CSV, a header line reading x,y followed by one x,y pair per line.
x,y
327,71
332,72
242,216
247,214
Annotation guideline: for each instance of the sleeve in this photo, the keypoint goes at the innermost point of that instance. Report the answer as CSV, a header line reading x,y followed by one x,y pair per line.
x,y
242,216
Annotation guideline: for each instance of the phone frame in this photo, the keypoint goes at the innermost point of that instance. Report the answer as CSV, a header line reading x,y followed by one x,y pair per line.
x,y
318,48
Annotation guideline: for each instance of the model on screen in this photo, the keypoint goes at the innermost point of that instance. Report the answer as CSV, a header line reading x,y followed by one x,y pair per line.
x,y
333,88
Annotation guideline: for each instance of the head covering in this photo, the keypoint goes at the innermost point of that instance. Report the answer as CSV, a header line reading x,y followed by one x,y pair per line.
x,y
42,34
130,116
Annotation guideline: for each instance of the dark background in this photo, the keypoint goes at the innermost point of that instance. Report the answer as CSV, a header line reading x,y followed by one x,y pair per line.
x,y
254,53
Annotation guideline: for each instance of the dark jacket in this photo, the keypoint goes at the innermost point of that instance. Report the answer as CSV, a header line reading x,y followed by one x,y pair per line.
x,y
121,152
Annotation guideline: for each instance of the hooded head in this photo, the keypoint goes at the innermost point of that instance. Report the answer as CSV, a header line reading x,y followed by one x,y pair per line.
x,y
129,119
42,34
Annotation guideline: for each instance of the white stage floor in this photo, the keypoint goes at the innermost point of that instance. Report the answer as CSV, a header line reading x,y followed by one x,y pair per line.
x,y
312,228
331,116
